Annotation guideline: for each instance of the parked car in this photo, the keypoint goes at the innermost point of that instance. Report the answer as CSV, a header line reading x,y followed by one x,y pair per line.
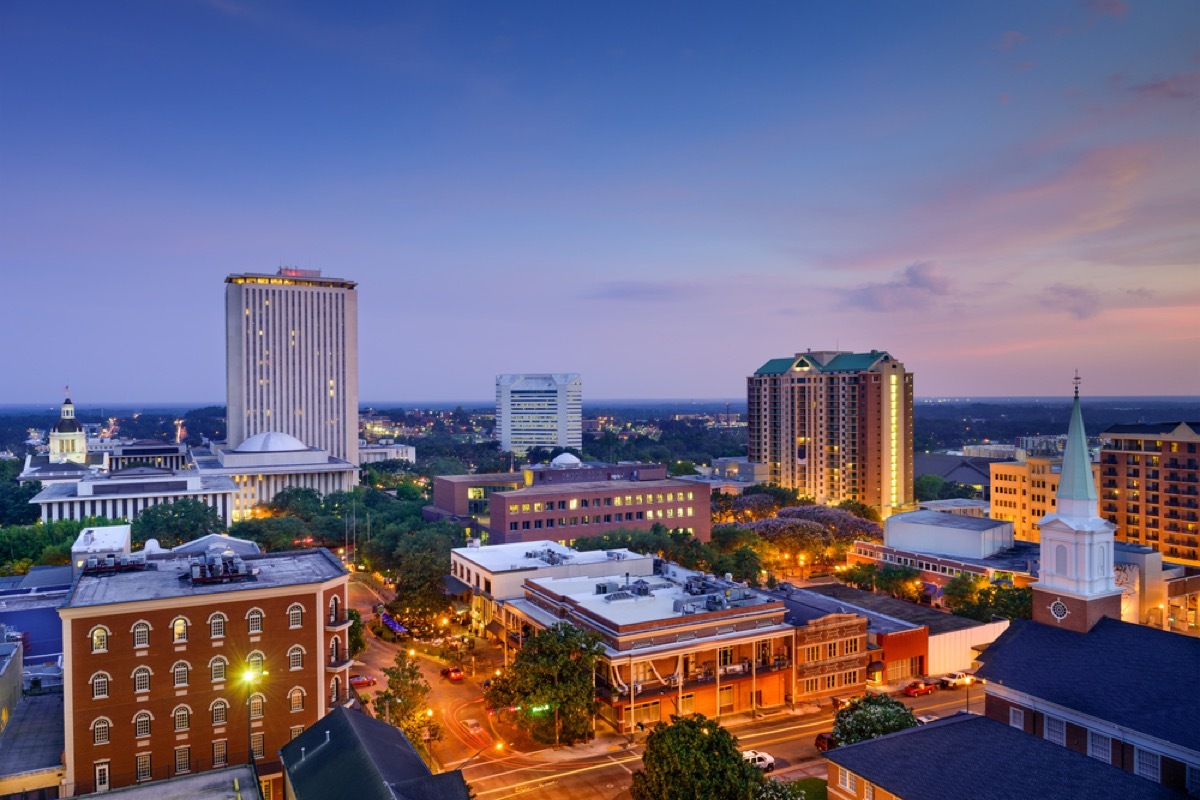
x,y
452,673
784,586
925,719
825,741
359,681
956,680
760,759
918,688
472,727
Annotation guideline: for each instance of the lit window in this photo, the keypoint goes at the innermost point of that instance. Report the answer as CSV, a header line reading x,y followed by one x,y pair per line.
x,y
256,706
99,640
255,662
179,630
296,730
296,699
256,745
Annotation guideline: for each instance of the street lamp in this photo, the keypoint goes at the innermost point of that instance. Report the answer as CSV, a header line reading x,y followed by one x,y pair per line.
x,y
498,746
251,677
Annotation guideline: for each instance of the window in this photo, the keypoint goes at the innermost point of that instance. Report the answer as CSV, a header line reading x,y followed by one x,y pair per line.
x,y
847,780
216,626
831,681
335,689
812,653
141,725
179,628
143,767
1016,718
1146,765
216,669
99,683
220,754
255,662
1100,746
180,671
141,679
183,718
99,636
296,658
100,731
851,646
295,615
296,699
256,745
296,730
183,759
869,792
254,621
1056,731
141,634
256,706
811,685
850,678
220,712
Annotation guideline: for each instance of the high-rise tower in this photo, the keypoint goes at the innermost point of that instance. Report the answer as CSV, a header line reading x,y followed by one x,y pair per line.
x,y
1075,586
539,411
291,343
835,426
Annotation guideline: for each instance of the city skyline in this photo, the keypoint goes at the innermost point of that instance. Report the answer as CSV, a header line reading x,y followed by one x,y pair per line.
x,y
998,196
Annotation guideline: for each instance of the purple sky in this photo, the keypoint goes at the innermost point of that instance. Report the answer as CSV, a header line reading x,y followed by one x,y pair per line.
x,y
661,196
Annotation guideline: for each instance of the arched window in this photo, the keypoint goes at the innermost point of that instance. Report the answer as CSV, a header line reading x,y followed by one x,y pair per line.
x,y
1060,559
183,718
141,634
255,662
334,608
180,671
100,730
296,657
141,679
296,699
254,620
335,650
99,683
99,637
179,630
216,668
216,625
141,724
220,712
257,703
295,614
335,689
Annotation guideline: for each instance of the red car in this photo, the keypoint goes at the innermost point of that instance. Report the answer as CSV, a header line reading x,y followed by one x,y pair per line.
x,y
452,673
918,688
359,681
825,742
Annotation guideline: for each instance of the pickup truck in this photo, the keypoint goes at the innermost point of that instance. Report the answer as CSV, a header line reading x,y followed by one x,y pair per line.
x,y
760,759
956,680
918,688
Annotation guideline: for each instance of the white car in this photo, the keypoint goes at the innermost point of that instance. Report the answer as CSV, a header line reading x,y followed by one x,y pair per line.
x,y
760,759
925,719
472,726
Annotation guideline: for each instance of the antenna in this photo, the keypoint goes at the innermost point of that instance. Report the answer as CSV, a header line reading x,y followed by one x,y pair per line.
x,y
1076,382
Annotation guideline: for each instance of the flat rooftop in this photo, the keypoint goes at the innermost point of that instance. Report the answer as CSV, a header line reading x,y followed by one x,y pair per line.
x,y
1017,558
497,558
598,486
936,621
160,580
35,738
487,479
134,486
955,502
943,520
805,606
209,785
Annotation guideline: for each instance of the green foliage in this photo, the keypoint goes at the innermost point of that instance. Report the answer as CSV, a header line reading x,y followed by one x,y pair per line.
x,y
356,640
272,534
928,487
15,508
782,497
683,468
420,559
790,790
861,576
173,524
953,490
998,601
204,423
963,589
899,581
405,701
860,510
694,757
44,543
870,716
551,682
296,501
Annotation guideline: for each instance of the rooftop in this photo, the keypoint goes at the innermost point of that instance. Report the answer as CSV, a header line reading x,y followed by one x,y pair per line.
x,y
936,621
1153,428
103,539
521,556
207,785
1123,687
996,761
35,738
271,442
595,486
943,520
805,606
161,578
957,502
824,361
120,485
1023,557
488,479
292,277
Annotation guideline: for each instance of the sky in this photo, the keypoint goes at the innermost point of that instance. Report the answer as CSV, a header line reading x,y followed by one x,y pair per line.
x,y
661,196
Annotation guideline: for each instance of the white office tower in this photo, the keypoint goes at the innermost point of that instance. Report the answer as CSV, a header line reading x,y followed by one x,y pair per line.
x,y
539,411
291,342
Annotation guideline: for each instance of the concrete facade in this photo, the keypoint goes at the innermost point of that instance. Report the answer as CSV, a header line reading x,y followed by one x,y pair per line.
x,y
1023,492
539,410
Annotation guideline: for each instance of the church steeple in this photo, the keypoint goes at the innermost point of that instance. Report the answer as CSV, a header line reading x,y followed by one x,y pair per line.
x,y
1076,486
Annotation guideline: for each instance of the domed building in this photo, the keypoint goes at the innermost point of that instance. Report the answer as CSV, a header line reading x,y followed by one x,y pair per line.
x,y
269,462
68,440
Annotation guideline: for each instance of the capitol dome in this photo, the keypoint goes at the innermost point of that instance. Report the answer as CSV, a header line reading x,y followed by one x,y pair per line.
x,y
566,460
270,442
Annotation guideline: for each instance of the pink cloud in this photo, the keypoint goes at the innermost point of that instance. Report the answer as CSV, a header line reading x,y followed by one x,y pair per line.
x,y
1109,8
1010,40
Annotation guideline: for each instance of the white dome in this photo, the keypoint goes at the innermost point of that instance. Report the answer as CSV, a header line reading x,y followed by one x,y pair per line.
x,y
566,460
270,442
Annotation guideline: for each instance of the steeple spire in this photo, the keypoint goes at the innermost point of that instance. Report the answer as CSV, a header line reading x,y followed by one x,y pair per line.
x,y
1076,482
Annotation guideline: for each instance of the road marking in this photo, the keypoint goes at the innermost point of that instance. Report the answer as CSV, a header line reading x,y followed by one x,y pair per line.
x,y
622,766
516,788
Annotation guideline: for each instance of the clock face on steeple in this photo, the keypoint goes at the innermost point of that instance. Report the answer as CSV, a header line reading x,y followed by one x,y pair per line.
x,y
1059,610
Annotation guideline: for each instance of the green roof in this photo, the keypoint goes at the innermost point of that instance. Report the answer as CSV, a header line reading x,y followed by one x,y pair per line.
x,y
776,366
842,362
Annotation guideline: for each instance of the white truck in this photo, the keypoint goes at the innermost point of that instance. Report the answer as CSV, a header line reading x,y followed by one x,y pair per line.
x,y
760,759
956,680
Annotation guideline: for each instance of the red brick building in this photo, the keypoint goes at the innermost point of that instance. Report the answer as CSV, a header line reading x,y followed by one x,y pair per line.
x,y
157,656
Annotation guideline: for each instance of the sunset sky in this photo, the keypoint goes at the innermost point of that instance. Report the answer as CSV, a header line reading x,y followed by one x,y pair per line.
x,y
660,196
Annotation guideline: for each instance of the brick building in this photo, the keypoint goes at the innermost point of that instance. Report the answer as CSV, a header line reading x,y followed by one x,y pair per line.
x,y
1024,491
179,665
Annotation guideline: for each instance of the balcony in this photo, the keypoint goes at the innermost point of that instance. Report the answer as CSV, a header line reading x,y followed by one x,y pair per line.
x,y
338,663
337,623
705,676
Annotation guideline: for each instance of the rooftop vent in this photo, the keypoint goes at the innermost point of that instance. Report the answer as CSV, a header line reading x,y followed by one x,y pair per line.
x,y
111,563
214,567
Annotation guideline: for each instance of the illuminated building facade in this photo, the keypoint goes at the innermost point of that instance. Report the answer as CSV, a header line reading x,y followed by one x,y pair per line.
x,y
291,344
1024,491
539,411
835,426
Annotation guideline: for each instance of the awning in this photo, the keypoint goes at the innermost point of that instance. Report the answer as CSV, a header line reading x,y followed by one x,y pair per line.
x,y
932,589
454,585
459,607
875,666
495,628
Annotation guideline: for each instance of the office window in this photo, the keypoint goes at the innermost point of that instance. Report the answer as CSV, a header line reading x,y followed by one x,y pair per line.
x,y
1056,730
99,683
812,652
99,639
183,759
1147,765
179,630
256,745
851,646
296,658
296,699
182,717
216,669
141,635
141,725
811,685
1100,746
831,650
100,731
220,754
295,615
254,621
141,679
831,681
143,767
180,671
296,730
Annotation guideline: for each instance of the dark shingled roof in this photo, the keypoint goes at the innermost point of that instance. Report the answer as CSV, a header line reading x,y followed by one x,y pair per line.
x,y
972,756
1130,675
936,621
348,749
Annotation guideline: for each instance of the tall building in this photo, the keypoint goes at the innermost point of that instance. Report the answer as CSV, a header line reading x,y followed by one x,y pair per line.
x,y
1024,491
1150,486
539,411
835,426
291,344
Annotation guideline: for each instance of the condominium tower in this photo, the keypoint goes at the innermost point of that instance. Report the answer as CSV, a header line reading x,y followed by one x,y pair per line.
x,y
835,426
539,411
291,343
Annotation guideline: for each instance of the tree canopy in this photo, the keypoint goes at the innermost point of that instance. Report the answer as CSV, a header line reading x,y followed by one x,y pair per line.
x,y
694,757
173,524
405,701
870,716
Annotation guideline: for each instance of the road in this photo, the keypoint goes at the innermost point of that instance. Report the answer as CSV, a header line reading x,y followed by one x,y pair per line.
x,y
602,770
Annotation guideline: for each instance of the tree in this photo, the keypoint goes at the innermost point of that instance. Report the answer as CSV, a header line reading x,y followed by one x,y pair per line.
x,y
928,487
683,468
862,576
356,639
296,501
15,508
420,560
272,534
176,523
963,589
860,510
899,581
551,682
694,757
870,716
405,701
953,490
998,601
780,790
